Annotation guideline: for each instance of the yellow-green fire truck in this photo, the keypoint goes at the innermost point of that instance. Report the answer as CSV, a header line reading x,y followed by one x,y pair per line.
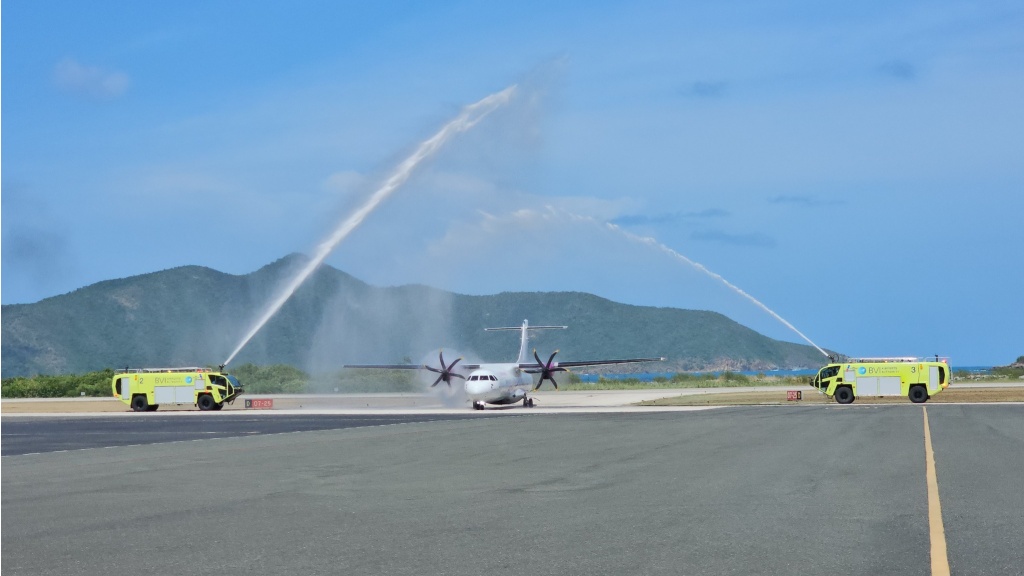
x,y
915,378
145,389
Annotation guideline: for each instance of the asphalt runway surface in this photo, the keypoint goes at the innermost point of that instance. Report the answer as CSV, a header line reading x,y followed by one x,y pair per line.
x,y
62,433
745,490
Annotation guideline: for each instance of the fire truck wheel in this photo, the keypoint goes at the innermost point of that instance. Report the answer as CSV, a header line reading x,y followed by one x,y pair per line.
x,y
139,403
218,406
844,395
918,394
206,402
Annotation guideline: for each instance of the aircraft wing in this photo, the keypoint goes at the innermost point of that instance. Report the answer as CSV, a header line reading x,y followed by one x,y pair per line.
x,y
535,368
404,366
386,366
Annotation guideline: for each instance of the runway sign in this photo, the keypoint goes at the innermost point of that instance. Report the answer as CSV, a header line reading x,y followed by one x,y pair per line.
x,y
259,403
794,395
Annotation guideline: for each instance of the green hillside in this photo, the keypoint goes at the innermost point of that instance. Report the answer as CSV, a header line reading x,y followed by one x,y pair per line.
x,y
196,316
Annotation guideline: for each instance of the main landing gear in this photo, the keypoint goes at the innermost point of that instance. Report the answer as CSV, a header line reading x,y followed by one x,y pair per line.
x,y
527,403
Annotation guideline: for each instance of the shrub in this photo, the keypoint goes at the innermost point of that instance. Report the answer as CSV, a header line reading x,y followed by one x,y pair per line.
x,y
58,386
729,376
273,379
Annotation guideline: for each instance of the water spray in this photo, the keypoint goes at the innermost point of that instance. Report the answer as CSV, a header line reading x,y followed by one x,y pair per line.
x,y
468,118
649,241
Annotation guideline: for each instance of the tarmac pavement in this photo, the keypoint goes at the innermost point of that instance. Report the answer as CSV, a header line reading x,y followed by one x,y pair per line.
x,y
746,490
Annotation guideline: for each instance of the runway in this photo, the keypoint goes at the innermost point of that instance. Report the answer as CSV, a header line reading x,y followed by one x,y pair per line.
x,y
751,490
23,435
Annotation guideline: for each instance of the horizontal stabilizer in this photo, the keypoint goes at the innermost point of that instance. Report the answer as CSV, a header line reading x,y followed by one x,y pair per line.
x,y
527,327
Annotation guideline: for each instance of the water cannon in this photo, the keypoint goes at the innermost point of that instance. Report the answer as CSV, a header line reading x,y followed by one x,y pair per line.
x,y
222,367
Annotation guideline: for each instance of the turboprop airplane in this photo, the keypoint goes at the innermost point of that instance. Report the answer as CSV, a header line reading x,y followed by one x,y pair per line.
x,y
506,382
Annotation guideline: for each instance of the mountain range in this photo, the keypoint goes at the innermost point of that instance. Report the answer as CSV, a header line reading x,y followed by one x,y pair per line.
x,y
194,315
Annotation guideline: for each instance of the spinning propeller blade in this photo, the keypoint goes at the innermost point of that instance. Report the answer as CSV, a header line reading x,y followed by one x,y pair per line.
x,y
445,372
547,370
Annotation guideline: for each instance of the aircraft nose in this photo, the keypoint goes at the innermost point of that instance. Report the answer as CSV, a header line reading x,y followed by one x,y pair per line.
x,y
476,388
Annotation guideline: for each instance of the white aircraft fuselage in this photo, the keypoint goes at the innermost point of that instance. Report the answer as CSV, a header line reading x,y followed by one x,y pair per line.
x,y
498,384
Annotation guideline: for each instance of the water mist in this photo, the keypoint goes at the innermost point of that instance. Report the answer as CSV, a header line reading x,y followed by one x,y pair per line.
x,y
468,118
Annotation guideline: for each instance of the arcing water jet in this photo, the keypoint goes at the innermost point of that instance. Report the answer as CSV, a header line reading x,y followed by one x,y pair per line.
x,y
647,240
469,117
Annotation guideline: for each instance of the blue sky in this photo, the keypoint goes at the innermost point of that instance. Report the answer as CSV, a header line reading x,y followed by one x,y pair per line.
x,y
857,168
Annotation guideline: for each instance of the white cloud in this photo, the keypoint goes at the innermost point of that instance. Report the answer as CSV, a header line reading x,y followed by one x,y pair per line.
x,y
74,77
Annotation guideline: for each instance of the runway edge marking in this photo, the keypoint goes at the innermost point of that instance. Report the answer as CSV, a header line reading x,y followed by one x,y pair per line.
x,y
936,530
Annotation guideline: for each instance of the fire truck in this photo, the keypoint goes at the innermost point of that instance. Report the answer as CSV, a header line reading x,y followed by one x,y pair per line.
x,y
910,377
145,389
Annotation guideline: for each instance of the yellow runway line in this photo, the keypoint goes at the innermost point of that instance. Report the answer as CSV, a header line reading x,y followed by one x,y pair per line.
x,y
936,531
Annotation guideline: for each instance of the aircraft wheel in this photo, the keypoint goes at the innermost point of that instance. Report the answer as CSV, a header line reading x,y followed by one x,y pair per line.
x,y
844,395
139,403
918,394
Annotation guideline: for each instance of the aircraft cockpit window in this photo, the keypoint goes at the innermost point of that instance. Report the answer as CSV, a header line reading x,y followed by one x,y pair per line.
x,y
472,378
493,378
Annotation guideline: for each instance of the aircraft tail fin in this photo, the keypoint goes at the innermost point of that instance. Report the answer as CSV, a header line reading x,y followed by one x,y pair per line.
x,y
524,337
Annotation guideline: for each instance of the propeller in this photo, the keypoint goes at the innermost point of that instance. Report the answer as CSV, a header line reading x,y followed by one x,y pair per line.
x,y
445,372
547,370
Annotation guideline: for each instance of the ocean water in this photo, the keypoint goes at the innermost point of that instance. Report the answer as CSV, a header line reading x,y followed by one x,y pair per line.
x,y
973,369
